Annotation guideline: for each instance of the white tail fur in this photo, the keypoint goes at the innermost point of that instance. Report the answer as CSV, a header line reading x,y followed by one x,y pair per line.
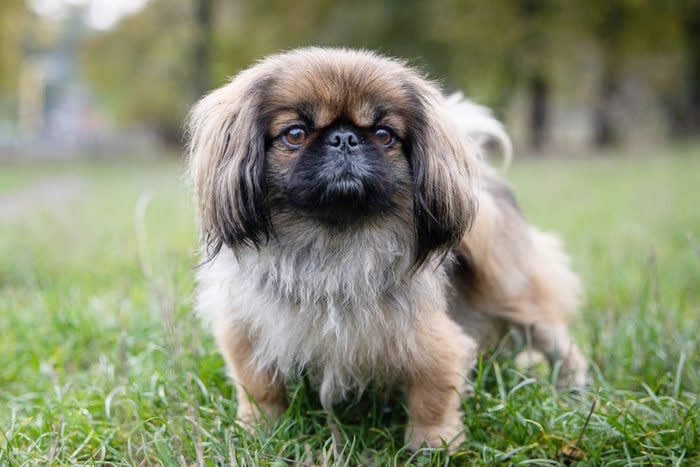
x,y
479,124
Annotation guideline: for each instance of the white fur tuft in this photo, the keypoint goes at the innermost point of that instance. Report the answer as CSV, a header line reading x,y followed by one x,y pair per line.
x,y
479,125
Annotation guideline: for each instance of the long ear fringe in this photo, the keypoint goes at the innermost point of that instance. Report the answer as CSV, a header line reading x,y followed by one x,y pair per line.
x,y
479,125
445,166
225,165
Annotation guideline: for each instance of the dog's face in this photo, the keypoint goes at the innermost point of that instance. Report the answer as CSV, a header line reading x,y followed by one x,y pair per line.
x,y
338,138
335,157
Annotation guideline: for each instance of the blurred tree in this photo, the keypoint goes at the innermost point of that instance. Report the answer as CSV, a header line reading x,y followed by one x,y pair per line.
x,y
502,47
202,46
623,33
685,103
608,23
9,56
26,43
14,23
538,27
143,68
153,65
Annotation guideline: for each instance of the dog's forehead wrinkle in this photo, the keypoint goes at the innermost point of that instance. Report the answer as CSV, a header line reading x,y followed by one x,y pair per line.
x,y
325,90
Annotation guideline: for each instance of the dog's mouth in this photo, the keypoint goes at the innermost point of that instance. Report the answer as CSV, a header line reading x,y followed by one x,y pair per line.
x,y
342,200
346,189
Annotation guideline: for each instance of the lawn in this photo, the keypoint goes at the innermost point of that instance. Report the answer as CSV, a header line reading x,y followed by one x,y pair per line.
x,y
102,360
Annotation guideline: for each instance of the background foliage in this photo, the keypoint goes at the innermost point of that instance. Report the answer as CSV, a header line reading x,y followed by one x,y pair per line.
x,y
625,64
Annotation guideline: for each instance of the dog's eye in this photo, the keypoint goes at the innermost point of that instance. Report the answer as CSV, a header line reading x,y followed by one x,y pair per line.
x,y
384,136
294,137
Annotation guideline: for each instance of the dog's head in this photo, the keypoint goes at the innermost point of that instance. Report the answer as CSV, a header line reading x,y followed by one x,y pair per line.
x,y
339,138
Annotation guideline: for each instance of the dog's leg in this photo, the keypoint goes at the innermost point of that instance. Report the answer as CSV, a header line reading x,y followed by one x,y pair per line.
x,y
444,355
555,342
261,395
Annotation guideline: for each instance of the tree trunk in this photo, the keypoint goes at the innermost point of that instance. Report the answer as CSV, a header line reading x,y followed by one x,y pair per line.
x,y
539,111
693,73
604,131
202,47
690,108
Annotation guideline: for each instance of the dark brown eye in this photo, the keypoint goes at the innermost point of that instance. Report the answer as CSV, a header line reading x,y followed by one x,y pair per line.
x,y
384,136
294,137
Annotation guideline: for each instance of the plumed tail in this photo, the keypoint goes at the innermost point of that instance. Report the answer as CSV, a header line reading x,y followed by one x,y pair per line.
x,y
479,125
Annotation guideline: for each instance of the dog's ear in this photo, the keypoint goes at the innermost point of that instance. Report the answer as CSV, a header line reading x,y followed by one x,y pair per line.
x,y
226,149
444,168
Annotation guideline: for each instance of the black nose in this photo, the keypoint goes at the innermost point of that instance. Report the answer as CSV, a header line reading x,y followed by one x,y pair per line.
x,y
340,138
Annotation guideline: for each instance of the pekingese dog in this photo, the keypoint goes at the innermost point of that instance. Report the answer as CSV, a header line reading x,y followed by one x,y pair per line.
x,y
353,232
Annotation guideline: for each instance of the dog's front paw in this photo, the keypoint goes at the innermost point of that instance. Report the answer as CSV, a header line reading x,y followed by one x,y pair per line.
x,y
573,371
251,414
449,435
575,379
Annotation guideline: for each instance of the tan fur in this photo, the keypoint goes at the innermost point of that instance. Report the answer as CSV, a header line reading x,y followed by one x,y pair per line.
x,y
437,379
261,395
285,294
519,272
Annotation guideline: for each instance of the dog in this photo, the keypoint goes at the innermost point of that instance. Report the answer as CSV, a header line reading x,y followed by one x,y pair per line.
x,y
353,232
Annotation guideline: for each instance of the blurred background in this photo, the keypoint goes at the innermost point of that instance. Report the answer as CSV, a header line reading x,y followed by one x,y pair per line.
x,y
102,360
107,77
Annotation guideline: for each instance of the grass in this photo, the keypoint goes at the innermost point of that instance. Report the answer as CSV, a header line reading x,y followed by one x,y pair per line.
x,y
102,361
